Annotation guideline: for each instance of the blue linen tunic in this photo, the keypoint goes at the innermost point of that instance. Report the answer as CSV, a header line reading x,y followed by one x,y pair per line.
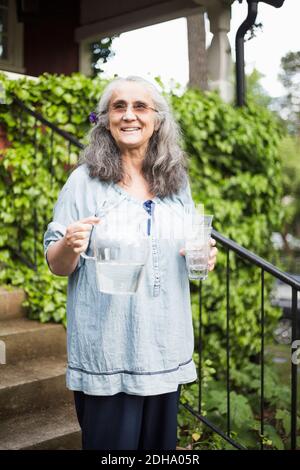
x,y
141,344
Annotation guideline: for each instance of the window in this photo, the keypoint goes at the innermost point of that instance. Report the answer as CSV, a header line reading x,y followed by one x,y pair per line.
x,y
3,29
11,38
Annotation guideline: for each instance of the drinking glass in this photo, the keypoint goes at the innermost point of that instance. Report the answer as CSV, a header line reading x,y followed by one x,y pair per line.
x,y
197,246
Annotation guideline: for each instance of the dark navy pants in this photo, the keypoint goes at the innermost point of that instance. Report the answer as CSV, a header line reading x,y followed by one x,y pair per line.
x,y
128,422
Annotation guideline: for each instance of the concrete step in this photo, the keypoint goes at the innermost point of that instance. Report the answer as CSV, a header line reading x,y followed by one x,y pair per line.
x,y
25,339
53,429
29,385
11,303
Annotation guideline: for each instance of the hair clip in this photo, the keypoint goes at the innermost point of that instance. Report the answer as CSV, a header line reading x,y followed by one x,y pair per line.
x,y
93,118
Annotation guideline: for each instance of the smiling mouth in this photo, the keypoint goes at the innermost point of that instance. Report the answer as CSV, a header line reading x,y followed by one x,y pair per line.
x,y
130,129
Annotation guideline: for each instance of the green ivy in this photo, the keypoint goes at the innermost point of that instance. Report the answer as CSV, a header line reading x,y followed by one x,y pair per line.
x,y
32,171
234,171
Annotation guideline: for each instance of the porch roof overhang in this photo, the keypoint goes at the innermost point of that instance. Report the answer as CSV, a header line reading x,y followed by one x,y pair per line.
x,y
99,19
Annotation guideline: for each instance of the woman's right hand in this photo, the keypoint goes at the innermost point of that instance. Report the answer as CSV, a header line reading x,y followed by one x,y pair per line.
x,y
77,234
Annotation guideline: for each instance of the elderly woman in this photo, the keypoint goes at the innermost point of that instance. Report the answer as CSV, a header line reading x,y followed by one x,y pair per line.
x,y
127,355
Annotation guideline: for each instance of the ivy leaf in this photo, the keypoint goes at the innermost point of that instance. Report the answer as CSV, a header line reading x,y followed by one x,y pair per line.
x,y
270,433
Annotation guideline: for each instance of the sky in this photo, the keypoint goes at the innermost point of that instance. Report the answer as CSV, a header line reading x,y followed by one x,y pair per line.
x,y
162,50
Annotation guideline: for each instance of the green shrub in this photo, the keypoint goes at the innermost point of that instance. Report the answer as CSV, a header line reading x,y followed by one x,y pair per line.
x,y
30,179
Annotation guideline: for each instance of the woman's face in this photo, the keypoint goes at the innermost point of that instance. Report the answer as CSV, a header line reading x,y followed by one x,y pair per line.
x,y
130,120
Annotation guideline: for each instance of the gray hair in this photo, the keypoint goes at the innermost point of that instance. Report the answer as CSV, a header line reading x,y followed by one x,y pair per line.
x,y
164,166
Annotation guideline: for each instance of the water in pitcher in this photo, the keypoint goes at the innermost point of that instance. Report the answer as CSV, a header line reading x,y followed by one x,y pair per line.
x,y
117,277
120,255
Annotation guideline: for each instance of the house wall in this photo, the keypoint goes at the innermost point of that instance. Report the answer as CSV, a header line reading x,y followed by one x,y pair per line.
x,y
49,43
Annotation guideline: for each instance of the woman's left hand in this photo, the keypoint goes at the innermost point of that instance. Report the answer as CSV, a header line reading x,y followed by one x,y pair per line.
x,y
212,255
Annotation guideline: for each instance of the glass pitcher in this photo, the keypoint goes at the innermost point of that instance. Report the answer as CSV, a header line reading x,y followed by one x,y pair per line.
x,y
120,256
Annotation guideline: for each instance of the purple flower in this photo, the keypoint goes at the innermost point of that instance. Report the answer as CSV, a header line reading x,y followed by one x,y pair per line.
x,y
93,118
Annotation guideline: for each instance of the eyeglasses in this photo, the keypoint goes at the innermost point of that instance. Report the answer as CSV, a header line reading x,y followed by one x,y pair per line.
x,y
138,108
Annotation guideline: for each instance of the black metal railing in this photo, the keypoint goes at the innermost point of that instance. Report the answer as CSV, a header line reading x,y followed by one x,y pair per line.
x,y
230,247
55,129
53,134
265,267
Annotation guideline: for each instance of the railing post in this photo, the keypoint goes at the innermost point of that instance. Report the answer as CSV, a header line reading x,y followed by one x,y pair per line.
x,y
69,153
294,371
200,350
262,357
228,338
35,216
51,157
